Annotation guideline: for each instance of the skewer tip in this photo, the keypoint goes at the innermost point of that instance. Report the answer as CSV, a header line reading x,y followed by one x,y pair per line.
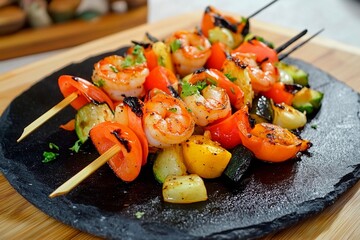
x,y
85,172
47,115
21,137
59,192
56,194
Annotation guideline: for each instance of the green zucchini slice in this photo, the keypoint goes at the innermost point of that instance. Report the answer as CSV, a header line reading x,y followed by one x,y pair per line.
x,y
90,115
239,163
308,100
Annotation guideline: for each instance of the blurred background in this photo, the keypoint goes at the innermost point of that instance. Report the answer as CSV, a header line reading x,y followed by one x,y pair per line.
x,y
31,30
340,18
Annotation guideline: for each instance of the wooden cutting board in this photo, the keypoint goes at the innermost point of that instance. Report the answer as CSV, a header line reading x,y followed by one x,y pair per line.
x,y
20,220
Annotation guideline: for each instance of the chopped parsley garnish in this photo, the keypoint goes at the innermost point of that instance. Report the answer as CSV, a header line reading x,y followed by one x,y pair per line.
x,y
174,109
230,77
139,214
175,45
53,146
189,89
76,146
99,83
128,62
49,155
314,126
201,48
114,69
137,57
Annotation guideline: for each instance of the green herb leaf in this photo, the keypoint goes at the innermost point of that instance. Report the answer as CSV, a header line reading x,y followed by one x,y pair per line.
x,y
114,69
49,156
230,77
190,89
138,52
139,214
314,126
136,57
128,62
99,83
53,146
175,45
174,109
202,84
76,146
201,48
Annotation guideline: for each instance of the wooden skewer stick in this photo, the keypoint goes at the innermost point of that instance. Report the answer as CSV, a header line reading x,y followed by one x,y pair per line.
x,y
50,113
282,56
290,41
261,9
85,172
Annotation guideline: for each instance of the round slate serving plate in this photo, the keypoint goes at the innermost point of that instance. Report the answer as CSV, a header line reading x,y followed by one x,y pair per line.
x,y
271,197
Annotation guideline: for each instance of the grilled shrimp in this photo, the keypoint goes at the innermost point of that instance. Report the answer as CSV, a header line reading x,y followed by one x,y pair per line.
x,y
262,77
208,102
189,51
166,120
121,76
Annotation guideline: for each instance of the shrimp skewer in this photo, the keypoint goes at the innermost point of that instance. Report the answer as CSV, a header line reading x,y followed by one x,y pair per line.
x,y
122,76
166,120
189,51
207,101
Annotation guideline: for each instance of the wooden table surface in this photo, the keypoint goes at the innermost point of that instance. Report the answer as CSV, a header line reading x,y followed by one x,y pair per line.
x,y
20,220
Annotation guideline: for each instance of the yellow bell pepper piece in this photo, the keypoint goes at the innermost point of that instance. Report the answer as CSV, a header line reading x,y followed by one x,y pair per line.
x,y
204,157
163,54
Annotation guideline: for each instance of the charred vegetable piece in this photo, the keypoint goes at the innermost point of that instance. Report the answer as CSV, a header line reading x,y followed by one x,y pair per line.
x,y
224,36
205,157
163,55
236,71
239,163
298,75
90,115
261,110
127,162
288,117
169,162
184,189
307,100
285,77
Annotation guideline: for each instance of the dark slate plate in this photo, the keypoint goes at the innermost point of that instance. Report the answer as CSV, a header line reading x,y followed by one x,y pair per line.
x,y
272,197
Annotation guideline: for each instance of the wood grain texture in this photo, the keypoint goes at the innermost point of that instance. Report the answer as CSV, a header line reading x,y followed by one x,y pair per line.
x,y
58,36
19,219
